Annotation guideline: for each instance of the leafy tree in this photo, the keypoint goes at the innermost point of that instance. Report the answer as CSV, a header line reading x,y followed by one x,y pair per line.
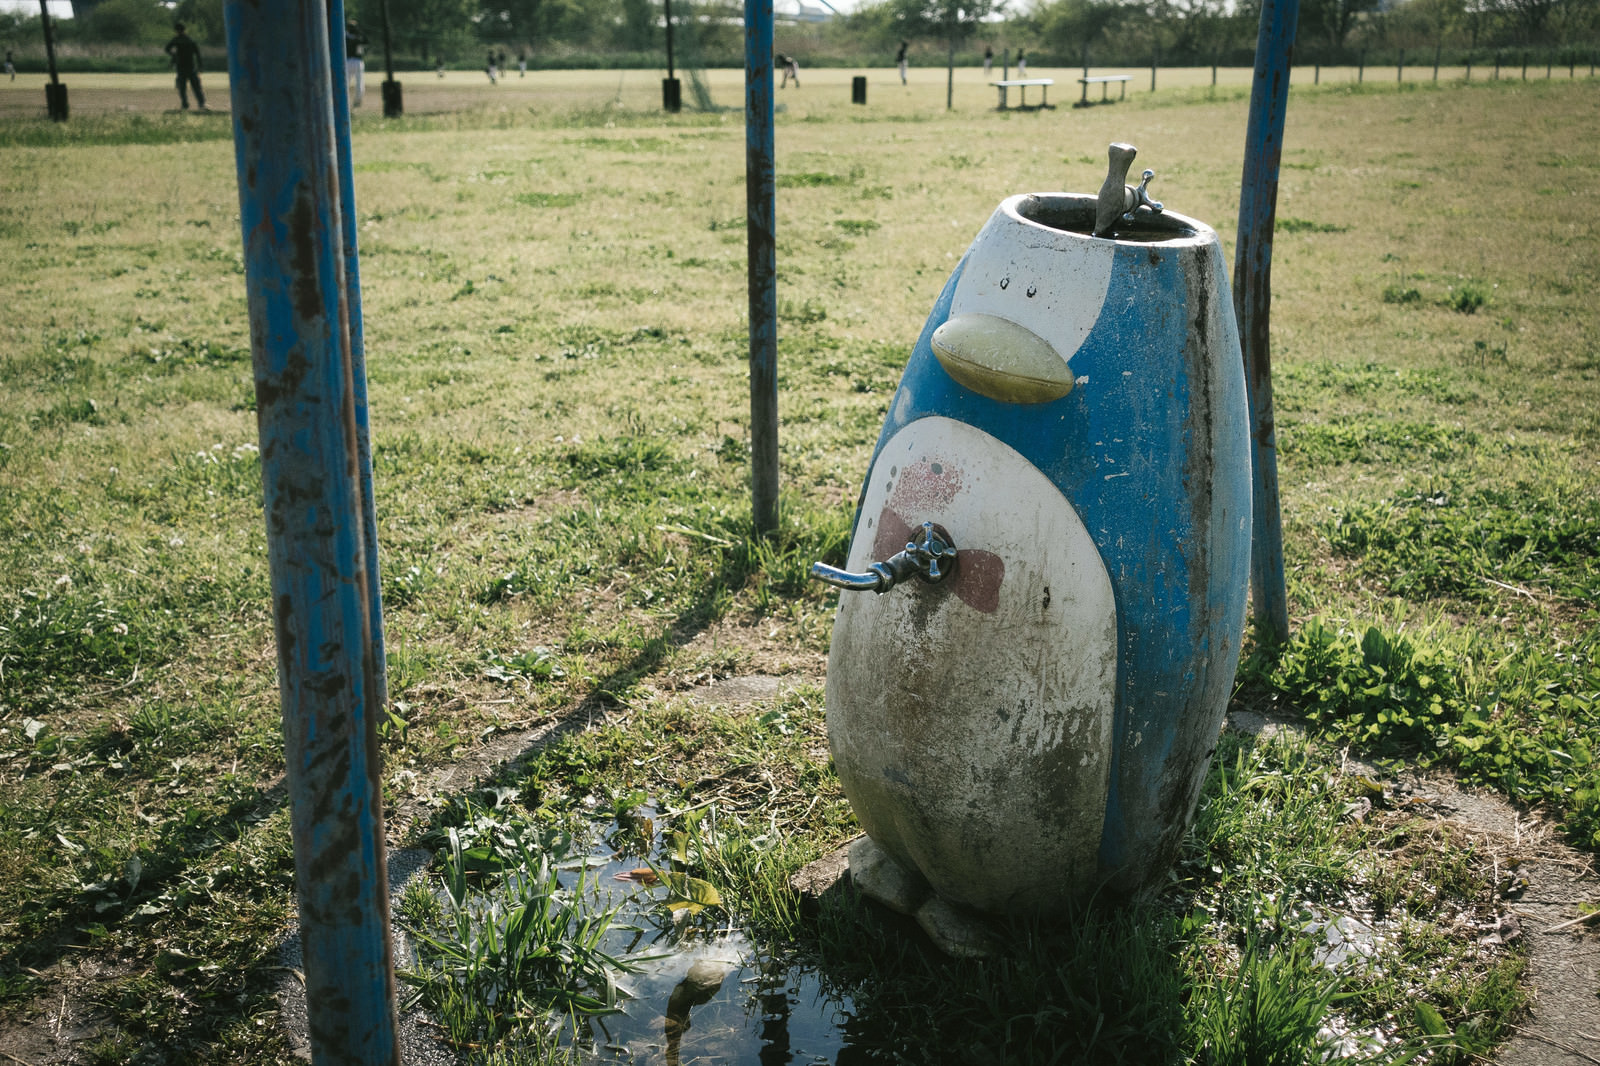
x,y
950,21
420,25
129,22
202,20
1332,19
1529,18
1070,27
638,30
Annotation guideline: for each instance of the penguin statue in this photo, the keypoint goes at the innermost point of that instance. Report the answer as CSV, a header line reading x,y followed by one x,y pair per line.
x,y
1056,524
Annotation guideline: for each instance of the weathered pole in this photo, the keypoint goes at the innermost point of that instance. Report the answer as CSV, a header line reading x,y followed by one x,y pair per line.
x,y
358,348
760,182
298,274
1252,301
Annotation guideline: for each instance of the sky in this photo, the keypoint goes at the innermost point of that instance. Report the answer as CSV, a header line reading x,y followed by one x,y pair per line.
x,y
59,9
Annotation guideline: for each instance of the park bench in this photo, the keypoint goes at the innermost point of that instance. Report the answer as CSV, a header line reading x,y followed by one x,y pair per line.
x,y
1104,81
1023,83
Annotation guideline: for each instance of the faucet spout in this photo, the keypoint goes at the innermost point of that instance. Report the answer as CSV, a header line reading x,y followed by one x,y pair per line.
x,y
930,557
1114,193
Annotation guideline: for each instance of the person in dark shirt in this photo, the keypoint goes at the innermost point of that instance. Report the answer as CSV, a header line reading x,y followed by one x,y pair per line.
x,y
355,63
186,58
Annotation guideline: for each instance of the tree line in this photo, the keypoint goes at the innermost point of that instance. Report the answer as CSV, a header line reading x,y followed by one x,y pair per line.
x,y
709,33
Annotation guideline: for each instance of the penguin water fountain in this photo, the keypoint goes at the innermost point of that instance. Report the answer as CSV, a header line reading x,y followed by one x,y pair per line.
x,y
1060,504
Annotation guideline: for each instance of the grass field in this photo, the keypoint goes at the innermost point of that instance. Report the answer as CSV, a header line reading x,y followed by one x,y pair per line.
x,y
553,283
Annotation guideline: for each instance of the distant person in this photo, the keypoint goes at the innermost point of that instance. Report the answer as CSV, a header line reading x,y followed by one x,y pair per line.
x,y
355,64
791,69
522,64
900,61
988,59
1022,64
11,68
186,59
490,69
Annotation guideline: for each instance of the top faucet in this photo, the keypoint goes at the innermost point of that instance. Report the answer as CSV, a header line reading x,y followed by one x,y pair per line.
x,y
1119,200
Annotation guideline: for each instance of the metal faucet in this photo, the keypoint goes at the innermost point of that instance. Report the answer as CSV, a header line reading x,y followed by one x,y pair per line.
x,y
1119,200
931,557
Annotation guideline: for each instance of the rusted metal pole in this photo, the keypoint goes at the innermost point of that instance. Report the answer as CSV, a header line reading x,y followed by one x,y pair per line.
x,y
298,275
358,349
760,182
1252,301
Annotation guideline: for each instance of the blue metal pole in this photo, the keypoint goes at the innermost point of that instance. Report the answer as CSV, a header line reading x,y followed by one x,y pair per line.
x,y
1252,301
307,398
760,182
358,354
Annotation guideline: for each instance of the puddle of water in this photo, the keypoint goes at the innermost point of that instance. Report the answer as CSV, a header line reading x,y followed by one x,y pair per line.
x,y
707,995
702,993
717,1001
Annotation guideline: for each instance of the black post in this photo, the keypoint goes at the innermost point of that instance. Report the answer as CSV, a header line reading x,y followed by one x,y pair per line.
x,y
1361,67
1155,58
1469,66
671,73
1316,74
1437,45
858,89
671,90
950,76
1497,64
1400,69
1524,64
55,94
1213,70
393,107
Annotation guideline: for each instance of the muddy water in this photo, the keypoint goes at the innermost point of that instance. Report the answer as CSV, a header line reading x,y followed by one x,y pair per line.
x,y
709,995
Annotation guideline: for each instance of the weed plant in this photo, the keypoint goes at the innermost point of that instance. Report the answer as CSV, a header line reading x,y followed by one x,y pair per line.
x,y
511,954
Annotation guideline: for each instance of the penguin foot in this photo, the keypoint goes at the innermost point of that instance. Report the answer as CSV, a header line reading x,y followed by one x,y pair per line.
x,y
881,878
956,932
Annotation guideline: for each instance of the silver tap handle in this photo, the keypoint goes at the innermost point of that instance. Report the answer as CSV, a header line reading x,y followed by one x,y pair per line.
x,y
931,558
1140,197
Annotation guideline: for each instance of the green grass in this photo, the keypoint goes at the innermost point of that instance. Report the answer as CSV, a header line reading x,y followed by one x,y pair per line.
x,y
556,347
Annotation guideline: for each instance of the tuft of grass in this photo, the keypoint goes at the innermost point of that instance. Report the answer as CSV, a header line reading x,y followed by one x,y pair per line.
x,y
511,953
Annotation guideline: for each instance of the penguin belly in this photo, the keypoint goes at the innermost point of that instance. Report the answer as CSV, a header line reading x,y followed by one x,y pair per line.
x,y
971,720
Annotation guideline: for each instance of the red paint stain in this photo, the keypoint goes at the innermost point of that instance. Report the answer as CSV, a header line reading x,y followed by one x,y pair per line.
x,y
925,485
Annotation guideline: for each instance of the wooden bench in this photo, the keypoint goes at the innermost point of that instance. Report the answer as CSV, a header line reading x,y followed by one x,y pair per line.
x,y
1023,83
1104,81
